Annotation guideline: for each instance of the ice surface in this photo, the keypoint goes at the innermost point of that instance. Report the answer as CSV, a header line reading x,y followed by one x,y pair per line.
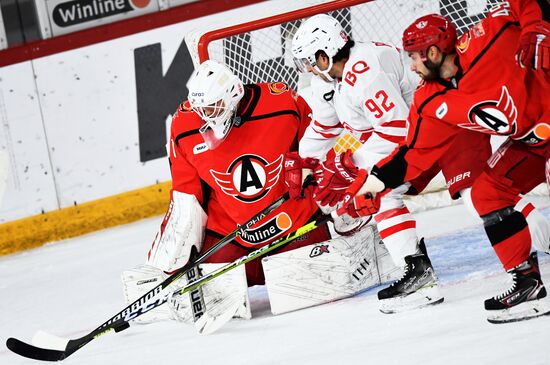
x,y
71,287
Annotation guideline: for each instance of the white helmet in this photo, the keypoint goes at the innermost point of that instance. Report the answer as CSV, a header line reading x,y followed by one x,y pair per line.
x,y
214,94
318,33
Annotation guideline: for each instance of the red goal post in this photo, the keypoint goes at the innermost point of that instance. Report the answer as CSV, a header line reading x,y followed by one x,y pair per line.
x,y
255,42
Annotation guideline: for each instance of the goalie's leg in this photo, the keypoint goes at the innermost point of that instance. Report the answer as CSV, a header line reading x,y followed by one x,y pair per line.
x,y
208,307
327,271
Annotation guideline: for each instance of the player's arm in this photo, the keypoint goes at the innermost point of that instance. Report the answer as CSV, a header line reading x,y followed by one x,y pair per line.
x,y
427,140
299,164
182,228
534,43
322,124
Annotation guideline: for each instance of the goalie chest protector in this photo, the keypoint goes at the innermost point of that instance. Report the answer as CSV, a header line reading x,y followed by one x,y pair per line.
x,y
244,173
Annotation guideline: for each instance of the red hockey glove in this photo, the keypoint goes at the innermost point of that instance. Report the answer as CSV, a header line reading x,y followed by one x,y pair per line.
x,y
294,166
333,177
359,205
534,47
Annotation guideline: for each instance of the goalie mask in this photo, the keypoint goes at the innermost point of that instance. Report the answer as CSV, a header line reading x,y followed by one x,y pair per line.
x,y
318,33
214,94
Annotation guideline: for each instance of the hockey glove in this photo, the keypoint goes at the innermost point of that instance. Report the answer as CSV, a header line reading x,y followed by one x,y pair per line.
x,y
294,173
534,47
359,205
333,177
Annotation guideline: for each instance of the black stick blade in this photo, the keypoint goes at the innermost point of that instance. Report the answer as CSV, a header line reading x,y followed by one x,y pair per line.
x,y
32,352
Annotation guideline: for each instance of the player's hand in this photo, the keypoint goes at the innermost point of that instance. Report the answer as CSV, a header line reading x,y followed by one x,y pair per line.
x,y
534,47
333,177
359,205
296,169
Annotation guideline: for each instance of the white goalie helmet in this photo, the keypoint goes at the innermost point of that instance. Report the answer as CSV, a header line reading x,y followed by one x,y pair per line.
x,y
214,94
318,33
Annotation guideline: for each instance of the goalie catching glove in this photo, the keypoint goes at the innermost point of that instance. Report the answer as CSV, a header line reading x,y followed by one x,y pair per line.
x,y
296,170
359,205
333,177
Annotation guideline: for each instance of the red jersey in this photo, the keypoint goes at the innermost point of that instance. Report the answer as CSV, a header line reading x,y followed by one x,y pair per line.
x,y
489,94
244,174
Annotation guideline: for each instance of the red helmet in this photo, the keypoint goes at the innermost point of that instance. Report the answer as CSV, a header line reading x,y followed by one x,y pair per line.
x,y
429,30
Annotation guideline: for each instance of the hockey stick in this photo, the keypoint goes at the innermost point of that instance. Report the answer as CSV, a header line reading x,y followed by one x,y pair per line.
x,y
59,349
254,254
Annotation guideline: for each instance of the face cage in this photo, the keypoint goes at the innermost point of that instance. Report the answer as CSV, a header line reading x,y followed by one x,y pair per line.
x,y
213,138
215,126
218,115
302,64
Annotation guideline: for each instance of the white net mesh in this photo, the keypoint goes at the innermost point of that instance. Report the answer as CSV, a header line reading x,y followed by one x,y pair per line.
x,y
259,53
263,55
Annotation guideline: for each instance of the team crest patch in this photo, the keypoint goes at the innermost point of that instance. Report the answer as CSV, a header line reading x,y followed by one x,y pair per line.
x,y
463,42
185,106
421,24
497,117
249,177
478,30
276,88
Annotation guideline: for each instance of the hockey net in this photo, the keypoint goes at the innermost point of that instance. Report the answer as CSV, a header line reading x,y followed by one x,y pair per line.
x,y
256,45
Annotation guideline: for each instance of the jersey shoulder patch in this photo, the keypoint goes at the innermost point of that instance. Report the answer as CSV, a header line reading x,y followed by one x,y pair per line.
x,y
185,120
277,88
185,107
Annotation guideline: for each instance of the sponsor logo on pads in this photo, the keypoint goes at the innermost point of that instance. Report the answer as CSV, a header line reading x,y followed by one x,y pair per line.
x,y
267,231
318,250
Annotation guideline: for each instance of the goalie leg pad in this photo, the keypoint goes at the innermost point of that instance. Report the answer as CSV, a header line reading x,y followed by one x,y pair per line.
x,y
221,299
322,272
138,281
215,298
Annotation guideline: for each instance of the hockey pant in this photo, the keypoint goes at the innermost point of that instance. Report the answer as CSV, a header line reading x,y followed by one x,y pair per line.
x,y
512,226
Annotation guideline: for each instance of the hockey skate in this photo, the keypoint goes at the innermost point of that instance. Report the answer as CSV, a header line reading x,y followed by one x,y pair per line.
x,y
417,287
524,299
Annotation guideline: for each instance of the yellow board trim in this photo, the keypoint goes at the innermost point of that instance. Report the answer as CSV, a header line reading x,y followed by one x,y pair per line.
x,y
74,221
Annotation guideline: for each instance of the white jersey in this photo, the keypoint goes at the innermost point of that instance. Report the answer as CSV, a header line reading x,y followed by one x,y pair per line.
x,y
325,127
371,102
373,99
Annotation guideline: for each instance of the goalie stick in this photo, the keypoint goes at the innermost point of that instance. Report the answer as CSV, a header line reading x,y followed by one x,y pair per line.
x,y
59,349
